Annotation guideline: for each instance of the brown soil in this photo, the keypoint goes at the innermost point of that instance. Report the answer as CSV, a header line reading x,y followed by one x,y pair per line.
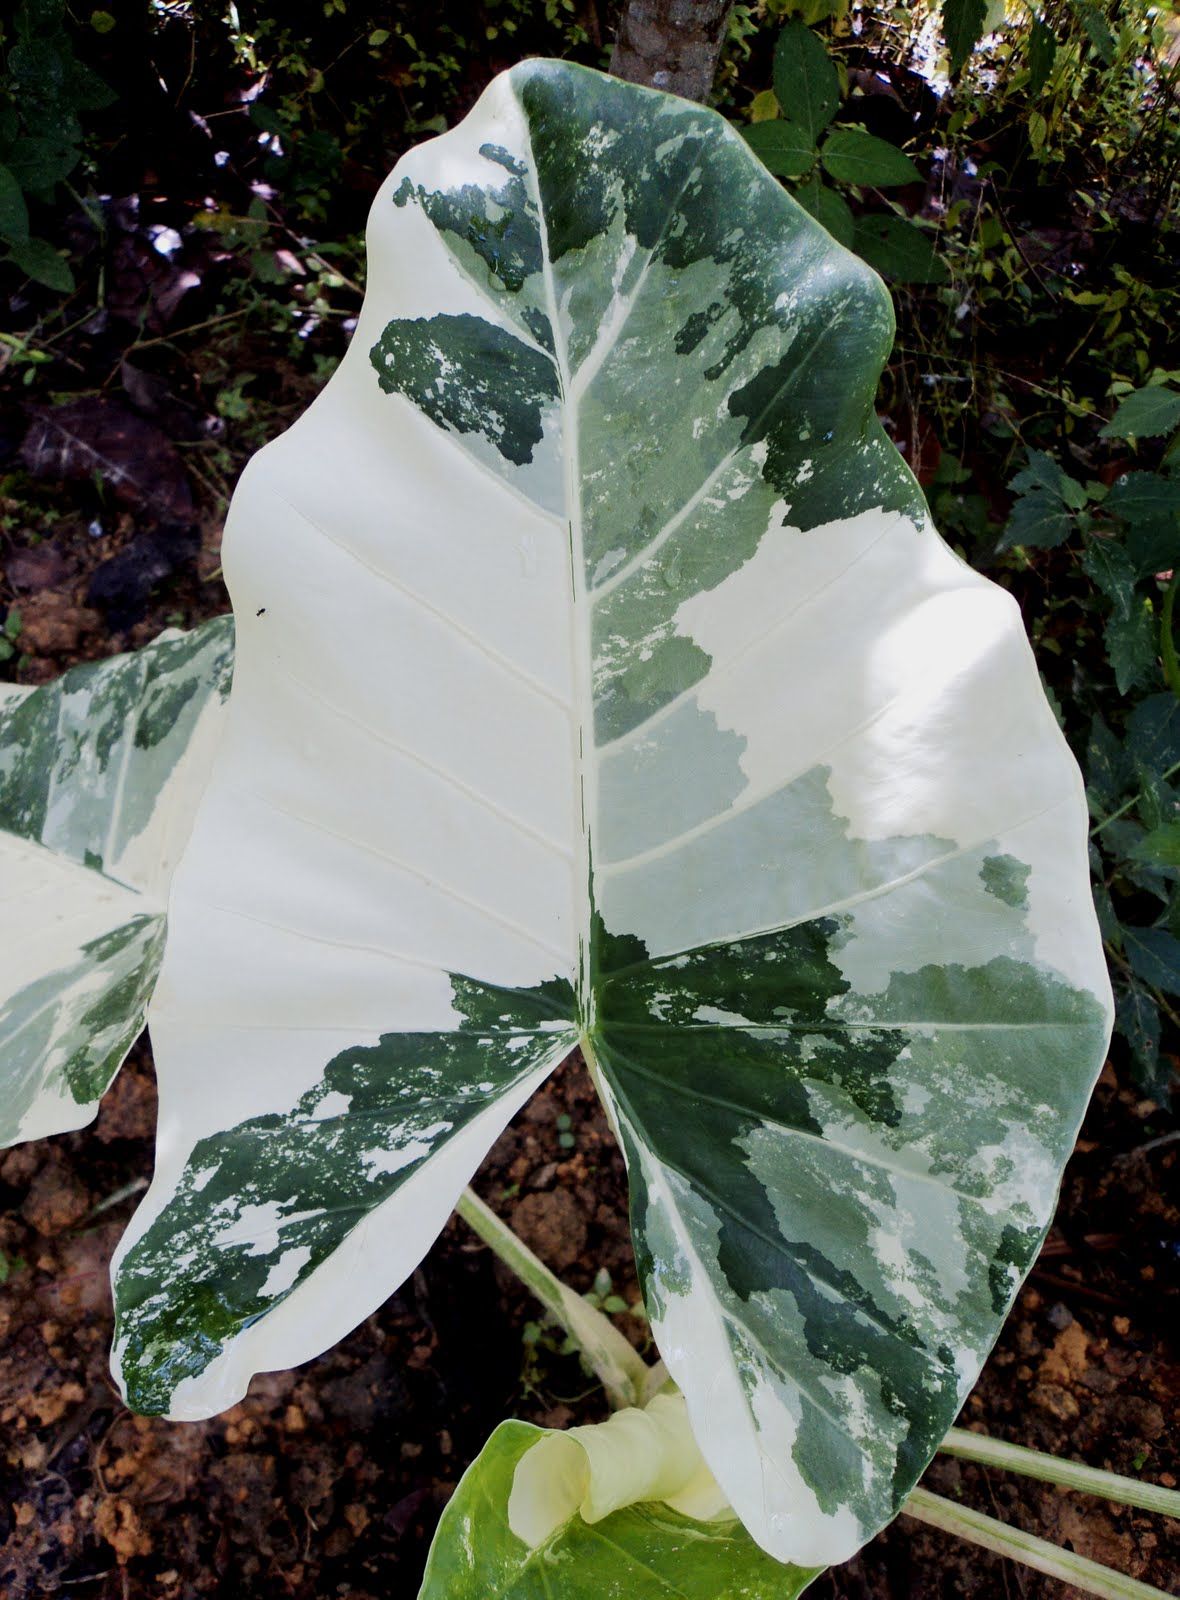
x,y
328,1480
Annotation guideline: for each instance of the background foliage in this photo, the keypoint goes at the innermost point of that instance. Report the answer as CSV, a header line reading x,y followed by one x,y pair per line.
x,y
182,197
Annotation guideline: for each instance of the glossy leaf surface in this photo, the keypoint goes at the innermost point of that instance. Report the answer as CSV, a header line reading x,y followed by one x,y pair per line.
x,y
601,678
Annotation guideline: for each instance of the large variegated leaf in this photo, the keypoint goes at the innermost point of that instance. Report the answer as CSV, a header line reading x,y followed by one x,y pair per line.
x,y
601,677
100,773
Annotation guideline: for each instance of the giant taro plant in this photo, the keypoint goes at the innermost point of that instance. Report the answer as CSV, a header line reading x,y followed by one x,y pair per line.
x,y
600,683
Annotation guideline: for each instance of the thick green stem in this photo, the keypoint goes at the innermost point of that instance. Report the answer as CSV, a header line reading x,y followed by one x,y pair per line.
x,y
621,1370
1085,1575
1066,1474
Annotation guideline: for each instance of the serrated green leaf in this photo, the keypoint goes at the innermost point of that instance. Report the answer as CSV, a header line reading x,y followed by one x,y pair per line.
x,y
898,249
1044,472
1149,504
1153,732
1107,563
1157,800
1160,846
830,953
100,774
850,155
1108,922
644,1550
962,28
14,213
805,80
1143,497
1109,770
1042,52
829,210
1137,1018
38,260
1039,521
1132,645
1040,471
784,148
1144,414
1154,955
1073,493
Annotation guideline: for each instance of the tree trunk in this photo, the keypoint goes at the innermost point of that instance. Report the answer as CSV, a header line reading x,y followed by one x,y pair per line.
x,y
671,44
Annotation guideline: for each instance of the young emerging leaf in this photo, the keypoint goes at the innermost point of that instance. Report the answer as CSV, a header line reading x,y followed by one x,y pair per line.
x,y
601,679
478,1555
100,774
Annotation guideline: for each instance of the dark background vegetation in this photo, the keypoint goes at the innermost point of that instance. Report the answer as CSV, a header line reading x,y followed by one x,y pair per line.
x,y
183,190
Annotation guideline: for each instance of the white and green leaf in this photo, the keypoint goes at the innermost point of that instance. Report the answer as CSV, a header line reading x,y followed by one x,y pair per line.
x,y
601,679
100,773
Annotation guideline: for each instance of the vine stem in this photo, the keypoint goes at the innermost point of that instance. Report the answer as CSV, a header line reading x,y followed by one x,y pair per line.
x,y
1086,1575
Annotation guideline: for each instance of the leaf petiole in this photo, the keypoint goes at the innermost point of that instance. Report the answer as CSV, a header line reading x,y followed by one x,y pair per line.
x,y
990,1452
1088,1576
619,1367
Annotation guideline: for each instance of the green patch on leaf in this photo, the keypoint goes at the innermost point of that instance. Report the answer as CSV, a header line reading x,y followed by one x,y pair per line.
x,y
260,1206
433,361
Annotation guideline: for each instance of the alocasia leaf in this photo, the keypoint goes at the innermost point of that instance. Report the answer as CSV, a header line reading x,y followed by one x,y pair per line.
x,y
100,773
601,679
